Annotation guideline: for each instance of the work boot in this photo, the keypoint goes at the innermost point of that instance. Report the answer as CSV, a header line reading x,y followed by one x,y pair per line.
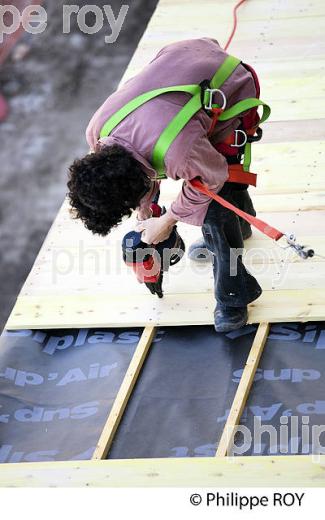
x,y
198,252
229,318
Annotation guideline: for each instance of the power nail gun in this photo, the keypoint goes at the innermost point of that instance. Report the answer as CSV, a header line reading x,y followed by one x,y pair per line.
x,y
149,262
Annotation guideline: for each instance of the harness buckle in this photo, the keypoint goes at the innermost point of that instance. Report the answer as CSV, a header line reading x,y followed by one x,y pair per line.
x,y
211,92
236,143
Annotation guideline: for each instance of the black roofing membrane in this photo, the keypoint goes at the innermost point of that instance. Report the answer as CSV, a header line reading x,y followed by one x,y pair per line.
x,y
57,388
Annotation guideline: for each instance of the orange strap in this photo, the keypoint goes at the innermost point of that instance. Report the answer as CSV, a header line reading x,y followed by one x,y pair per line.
x,y
216,113
262,226
238,174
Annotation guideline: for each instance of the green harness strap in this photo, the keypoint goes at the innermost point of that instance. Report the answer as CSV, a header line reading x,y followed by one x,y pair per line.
x,y
181,119
135,103
243,106
224,71
171,131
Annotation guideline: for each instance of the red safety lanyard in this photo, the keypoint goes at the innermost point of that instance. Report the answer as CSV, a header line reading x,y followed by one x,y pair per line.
x,y
262,226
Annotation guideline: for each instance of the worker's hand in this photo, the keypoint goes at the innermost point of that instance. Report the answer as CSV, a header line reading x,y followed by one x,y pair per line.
x,y
144,213
157,229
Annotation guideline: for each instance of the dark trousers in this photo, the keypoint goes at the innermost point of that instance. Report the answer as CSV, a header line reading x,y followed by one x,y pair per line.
x,y
234,286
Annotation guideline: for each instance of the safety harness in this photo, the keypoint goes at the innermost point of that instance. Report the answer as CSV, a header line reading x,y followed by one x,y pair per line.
x,y
203,97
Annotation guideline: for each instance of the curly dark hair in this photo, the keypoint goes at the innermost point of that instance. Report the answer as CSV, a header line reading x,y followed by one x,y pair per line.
x,y
105,186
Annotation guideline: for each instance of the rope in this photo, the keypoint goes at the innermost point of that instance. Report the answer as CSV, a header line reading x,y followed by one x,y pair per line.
x,y
234,23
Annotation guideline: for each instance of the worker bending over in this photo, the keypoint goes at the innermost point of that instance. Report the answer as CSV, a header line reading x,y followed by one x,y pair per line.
x,y
119,176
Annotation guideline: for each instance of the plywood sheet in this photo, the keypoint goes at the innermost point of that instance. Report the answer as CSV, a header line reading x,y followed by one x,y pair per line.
x,y
259,471
79,280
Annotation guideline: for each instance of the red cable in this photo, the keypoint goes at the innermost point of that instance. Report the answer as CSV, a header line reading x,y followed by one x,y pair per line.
x,y
235,23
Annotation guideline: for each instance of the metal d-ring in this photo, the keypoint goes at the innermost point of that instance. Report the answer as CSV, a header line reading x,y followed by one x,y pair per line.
x,y
212,91
236,144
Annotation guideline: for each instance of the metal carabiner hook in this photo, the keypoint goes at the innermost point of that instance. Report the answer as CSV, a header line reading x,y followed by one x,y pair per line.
x,y
301,251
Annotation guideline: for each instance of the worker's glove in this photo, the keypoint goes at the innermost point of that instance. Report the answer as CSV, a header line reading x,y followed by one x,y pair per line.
x,y
155,230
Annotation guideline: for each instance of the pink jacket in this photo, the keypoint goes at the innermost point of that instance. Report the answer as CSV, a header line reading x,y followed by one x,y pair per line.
x,y
192,153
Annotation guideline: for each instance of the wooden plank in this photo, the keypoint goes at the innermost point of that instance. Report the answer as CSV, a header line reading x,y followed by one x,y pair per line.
x,y
172,310
214,472
296,108
255,10
124,393
275,268
197,19
280,131
243,390
290,201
